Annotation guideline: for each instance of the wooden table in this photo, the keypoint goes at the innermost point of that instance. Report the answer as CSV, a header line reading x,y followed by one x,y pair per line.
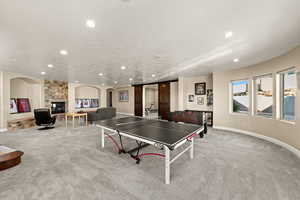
x,y
10,159
74,115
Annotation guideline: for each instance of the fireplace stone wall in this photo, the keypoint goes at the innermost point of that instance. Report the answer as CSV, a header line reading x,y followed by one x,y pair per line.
x,y
55,91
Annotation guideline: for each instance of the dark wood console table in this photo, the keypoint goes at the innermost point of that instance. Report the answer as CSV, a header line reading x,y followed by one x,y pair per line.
x,y
209,116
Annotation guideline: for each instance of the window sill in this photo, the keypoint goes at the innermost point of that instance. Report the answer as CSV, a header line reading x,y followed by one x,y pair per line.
x,y
263,117
287,122
239,114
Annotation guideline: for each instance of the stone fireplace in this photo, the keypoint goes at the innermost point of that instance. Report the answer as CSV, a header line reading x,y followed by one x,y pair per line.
x,y
56,96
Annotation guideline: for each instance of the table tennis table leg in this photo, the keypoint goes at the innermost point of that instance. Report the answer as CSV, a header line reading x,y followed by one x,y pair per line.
x,y
192,148
102,137
167,165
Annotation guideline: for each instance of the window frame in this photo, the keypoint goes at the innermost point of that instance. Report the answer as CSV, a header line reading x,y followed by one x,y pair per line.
x,y
254,99
249,112
280,94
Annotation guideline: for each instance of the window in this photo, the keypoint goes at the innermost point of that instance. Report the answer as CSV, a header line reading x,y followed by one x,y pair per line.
x,y
240,96
288,87
264,95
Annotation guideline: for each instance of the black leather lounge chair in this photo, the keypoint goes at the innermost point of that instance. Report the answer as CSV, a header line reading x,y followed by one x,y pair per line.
x,y
43,118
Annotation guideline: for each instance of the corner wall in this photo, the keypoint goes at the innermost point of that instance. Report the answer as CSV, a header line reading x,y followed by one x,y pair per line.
x,y
123,107
186,86
280,130
173,96
1,103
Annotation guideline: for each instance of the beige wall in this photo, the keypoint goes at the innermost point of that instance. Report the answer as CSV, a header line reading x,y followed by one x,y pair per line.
x,y
186,86
124,107
87,92
19,88
1,102
173,96
283,131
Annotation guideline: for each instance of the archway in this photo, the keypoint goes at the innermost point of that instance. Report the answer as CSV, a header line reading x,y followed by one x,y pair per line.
x,y
24,96
87,97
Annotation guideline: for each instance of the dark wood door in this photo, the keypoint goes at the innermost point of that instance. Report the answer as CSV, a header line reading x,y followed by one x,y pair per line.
x,y
110,99
164,100
138,100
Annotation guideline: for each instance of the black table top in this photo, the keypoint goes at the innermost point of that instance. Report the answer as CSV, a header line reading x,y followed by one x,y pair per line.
x,y
162,132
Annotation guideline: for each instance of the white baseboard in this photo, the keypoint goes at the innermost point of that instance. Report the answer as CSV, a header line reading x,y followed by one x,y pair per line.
x,y
121,113
273,140
3,129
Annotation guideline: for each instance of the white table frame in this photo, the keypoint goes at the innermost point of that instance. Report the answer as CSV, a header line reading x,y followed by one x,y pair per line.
x,y
168,160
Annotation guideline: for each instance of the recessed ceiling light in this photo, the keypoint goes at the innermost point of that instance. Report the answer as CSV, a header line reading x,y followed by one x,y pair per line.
x,y
43,73
90,23
50,65
116,82
63,52
236,60
100,74
153,75
228,34
130,79
123,67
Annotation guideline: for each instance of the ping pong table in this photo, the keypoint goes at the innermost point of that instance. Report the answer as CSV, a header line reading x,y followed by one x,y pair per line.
x,y
164,135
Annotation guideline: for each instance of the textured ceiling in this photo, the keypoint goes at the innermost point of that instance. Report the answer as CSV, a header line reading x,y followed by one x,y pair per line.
x,y
169,38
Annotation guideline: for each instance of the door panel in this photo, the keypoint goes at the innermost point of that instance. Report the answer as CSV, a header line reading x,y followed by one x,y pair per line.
x,y
138,100
164,100
110,99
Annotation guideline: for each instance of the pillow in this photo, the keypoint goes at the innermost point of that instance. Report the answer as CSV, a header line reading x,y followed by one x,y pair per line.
x,y
98,110
5,150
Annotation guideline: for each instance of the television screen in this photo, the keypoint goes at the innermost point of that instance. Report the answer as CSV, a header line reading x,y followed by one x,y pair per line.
x,y
13,106
23,105
94,103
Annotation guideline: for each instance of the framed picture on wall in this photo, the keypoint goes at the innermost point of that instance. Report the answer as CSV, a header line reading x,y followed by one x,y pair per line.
x,y
209,97
200,100
191,98
23,105
13,106
123,96
86,103
209,118
200,88
78,103
94,103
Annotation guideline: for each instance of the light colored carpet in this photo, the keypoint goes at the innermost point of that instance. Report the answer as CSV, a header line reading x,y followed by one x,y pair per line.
x,y
69,164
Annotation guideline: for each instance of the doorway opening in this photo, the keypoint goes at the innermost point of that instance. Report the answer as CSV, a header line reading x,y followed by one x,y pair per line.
x,y
150,104
109,100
